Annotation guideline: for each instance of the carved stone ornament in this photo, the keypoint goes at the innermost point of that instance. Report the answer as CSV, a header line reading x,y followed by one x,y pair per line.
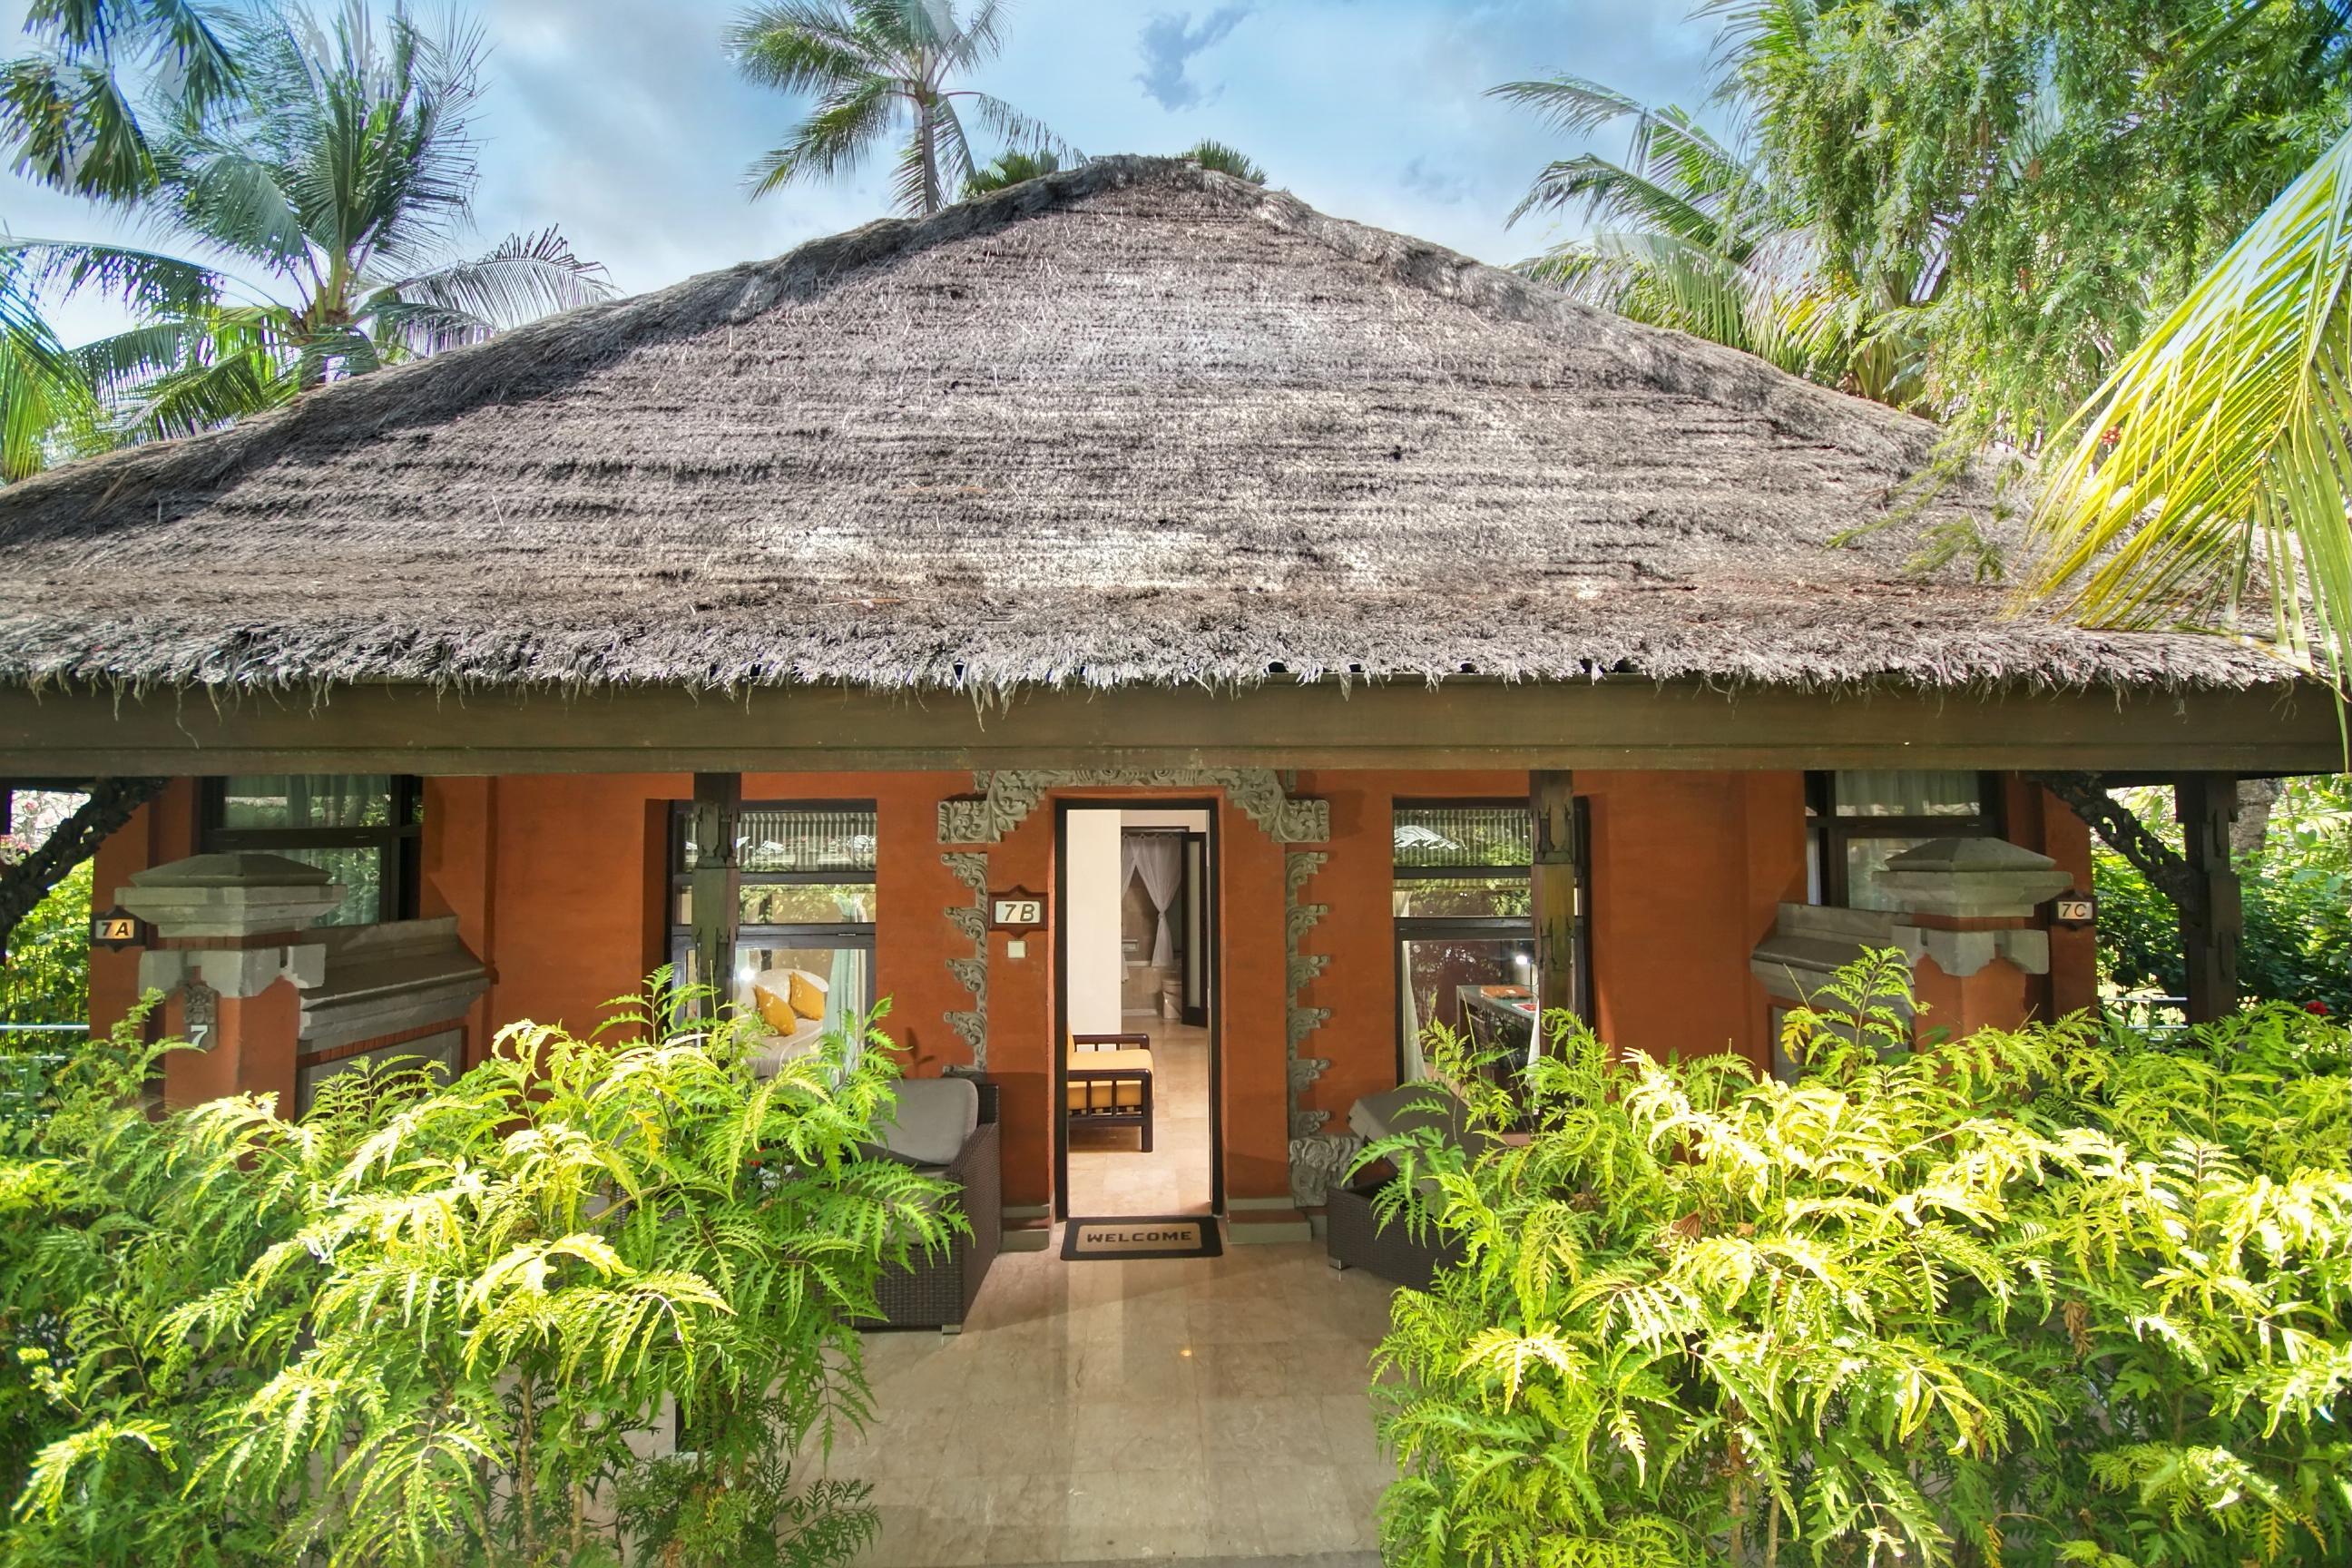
x,y
1004,798
1320,1163
970,920
1007,798
199,1013
1300,970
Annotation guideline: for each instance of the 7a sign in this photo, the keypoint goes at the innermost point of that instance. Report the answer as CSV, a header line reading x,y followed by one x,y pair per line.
x,y
116,928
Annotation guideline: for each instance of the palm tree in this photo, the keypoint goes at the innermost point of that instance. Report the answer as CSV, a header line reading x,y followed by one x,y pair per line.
x,y
873,63
1224,160
66,109
336,186
69,114
1011,169
1700,240
2216,463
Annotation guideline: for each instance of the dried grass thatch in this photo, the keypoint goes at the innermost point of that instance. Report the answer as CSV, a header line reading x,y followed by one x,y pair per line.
x,y
1129,423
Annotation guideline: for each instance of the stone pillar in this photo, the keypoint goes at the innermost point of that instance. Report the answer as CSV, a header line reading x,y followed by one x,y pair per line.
x,y
1967,916
231,953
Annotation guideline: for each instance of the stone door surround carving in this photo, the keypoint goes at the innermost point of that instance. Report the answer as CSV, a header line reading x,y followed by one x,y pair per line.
x,y
1002,800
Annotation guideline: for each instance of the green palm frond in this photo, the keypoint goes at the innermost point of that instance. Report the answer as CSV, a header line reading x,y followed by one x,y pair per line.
x,y
1606,188
526,277
149,283
1574,105
867,61
2209,478
799,46
1011,169
834,139
235,375
68,110
1025,131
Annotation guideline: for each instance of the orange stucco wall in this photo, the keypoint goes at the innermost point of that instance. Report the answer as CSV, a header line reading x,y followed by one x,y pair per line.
x,y
558,881
164,830
1687,872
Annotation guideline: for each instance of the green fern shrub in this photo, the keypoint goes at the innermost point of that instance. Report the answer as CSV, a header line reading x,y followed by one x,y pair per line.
x,y
2047,1296
439,1322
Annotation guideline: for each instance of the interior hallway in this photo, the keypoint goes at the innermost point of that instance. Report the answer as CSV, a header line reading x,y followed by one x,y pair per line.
x,y
1204,1410
1110,1177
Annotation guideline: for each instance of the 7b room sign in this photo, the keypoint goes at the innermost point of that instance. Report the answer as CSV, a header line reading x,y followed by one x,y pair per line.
x,y
1017,910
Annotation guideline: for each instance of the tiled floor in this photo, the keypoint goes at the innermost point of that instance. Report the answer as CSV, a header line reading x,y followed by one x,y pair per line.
x,y
1110,1176
1204,1409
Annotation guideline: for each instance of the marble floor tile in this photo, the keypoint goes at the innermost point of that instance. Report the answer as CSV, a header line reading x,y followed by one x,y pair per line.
x,y
1201,1410
1111,1174
1135,1514
1284,1429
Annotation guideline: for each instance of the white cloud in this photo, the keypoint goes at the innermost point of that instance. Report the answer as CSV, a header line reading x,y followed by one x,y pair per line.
x,y
623,123
1170,42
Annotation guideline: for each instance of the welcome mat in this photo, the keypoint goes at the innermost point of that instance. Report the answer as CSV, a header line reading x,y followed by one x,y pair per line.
x,y
1173,1236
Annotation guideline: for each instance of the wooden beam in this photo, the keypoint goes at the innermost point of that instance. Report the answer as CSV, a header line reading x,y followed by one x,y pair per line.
x,y
2206,804
2088,795
1466,723
1552,888
714,884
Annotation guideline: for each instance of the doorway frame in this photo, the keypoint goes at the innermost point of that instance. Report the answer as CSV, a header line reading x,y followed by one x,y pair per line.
x,y
1213,918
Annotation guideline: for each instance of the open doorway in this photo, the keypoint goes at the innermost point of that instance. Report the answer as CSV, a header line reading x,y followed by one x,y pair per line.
x,y
1137,984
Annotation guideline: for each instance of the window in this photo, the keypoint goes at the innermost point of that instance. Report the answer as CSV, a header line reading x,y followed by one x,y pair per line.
x,y
1465,925
804,907
362,829
1855,820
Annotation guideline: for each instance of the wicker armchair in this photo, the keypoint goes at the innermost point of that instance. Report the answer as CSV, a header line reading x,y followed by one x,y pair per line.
x,y
937,1291
1354,1236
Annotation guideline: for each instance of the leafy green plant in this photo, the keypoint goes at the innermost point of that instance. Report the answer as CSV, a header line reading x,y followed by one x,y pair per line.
x,y
47,980
1223,158
2020,1297
434,1323
2297,892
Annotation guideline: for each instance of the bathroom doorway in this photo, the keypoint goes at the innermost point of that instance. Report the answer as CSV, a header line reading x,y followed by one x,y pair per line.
x,y
1136,988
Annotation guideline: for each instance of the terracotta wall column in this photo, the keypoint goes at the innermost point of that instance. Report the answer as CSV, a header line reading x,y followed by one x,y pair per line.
x,y
231,954
1968,920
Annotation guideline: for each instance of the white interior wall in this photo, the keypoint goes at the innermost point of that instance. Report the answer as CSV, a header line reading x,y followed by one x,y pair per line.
x,y
1090,916
1162,816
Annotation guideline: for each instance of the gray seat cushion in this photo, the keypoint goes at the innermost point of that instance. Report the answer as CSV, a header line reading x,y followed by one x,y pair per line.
x,y
934,1118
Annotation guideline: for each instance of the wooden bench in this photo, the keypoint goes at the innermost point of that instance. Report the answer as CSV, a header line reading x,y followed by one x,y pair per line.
x,y
1110,1083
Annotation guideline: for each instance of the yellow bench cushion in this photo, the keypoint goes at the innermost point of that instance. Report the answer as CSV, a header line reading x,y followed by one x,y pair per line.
x,y
1112,1094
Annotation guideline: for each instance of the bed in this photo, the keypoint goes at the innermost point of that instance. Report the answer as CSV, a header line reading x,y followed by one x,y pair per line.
x,y
1110,1083
791,1006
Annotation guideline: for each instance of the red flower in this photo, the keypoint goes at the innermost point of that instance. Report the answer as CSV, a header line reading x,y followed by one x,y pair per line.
x,y
2319,1009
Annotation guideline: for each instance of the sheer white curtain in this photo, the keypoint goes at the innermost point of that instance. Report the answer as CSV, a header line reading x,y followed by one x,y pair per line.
x,y
1158,860
845,994
1416,1065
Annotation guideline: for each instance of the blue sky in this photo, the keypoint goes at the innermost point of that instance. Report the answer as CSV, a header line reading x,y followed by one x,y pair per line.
x,y
623,123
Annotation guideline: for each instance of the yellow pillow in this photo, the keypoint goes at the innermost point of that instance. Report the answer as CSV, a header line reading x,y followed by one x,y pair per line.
x,y
776,1009
808,994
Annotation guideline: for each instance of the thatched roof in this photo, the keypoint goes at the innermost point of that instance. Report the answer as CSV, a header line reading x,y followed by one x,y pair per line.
x,y
1129,423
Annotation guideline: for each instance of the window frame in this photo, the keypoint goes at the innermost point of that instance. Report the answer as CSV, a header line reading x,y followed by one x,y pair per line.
x,y
400,842
1405,929
852,935
1828,835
